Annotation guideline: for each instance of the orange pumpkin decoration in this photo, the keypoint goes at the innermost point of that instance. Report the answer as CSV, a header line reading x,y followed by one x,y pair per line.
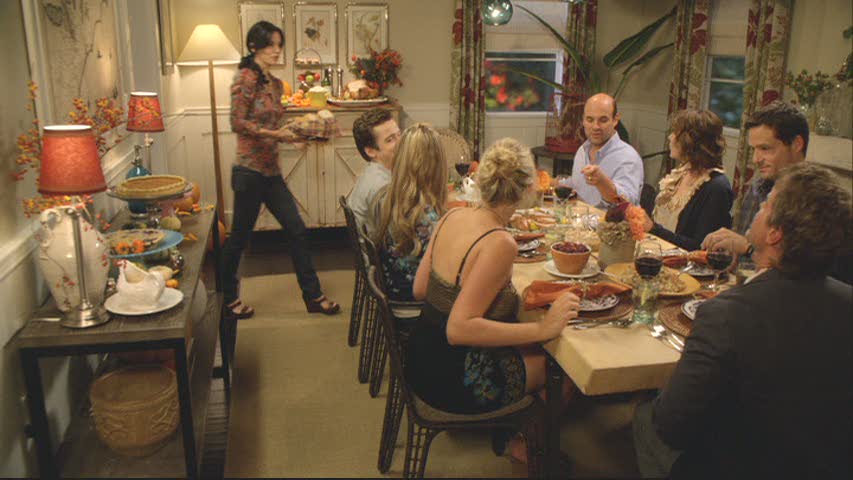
x,y
544,180
196,193
185,203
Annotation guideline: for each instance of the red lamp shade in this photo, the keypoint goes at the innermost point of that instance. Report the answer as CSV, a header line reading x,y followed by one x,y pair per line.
x,y
143,113
69,161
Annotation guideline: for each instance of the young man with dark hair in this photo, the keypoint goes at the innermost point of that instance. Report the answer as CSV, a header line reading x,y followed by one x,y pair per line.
x,y
763,388
779,136
376,134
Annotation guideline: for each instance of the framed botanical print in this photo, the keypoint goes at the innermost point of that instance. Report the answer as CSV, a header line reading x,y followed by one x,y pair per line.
x,y
367,29
316,28
252,12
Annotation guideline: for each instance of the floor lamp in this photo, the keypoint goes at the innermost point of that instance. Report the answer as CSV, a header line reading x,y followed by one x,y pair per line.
x,y
208,45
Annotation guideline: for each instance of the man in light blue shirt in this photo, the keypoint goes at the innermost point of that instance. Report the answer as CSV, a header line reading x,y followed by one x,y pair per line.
x,y
605,167
376,134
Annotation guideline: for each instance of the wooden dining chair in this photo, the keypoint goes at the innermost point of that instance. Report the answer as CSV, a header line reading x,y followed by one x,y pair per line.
x,y
358,293
425,421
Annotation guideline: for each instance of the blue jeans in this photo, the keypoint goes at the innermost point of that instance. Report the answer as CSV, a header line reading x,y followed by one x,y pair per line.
x,y
251,188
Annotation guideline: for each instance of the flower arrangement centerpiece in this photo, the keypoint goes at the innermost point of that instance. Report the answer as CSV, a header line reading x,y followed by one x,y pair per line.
x,y
621,229
380,69
808,86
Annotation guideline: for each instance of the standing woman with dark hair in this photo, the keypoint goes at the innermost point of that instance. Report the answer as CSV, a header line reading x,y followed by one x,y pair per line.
x,y
695,198
256,118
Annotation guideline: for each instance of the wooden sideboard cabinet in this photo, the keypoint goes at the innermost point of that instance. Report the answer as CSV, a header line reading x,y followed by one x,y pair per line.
x,y
322,172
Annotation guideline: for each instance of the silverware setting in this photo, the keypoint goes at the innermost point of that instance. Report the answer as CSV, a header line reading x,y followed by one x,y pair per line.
x,y
661,333
623,323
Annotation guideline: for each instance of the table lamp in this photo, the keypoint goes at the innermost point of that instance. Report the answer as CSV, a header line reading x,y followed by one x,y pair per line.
x,y
70,166
207,45
143,115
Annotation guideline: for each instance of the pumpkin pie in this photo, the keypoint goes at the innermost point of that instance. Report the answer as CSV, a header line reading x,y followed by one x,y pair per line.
x,y
152,186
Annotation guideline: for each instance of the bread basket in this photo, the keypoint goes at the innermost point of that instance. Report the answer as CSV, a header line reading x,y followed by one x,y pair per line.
x,y
135,409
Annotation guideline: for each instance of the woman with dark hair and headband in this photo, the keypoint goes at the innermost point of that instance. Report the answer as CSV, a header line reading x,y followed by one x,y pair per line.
x,y
257,117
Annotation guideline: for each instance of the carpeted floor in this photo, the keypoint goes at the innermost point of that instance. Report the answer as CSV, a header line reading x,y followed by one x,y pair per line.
x,y
298,410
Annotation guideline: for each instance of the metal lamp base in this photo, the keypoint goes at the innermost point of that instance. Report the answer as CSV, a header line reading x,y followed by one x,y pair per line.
x,y
85,317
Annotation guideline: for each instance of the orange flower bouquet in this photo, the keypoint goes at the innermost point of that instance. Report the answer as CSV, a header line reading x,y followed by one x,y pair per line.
x,y
621,228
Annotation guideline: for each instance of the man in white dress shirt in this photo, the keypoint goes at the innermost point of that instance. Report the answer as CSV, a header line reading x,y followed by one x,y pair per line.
x,y
605,167
376,135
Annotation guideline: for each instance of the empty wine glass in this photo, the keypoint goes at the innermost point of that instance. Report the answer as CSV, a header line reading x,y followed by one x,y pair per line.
x,y
719,259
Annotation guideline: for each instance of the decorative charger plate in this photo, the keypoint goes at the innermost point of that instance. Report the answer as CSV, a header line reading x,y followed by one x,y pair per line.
x,y
357,103
170,239
590,270
674,319
598,304
626,273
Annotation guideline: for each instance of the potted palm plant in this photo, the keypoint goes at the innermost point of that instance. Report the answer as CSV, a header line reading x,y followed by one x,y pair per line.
x,y
567,111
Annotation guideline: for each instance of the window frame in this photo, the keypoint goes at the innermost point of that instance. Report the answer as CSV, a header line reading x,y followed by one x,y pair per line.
x,y
706,88
558,75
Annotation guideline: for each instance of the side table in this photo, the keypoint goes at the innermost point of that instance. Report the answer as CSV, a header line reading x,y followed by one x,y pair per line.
x,y
81,454
562,161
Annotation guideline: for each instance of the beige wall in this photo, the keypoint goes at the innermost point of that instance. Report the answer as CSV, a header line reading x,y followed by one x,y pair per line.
x,y
14,118
420,31
816,40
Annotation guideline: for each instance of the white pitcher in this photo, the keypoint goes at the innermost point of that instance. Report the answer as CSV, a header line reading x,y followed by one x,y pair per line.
x,y
139,287
58,259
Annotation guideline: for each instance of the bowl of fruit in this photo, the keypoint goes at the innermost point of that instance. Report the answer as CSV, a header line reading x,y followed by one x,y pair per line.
x,y
570,257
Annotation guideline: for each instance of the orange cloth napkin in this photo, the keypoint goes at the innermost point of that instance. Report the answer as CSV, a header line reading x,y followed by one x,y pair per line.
x,y
699,257
541,293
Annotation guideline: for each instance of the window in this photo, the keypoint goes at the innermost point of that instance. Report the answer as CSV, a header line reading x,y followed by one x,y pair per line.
x,y
725,88
508,91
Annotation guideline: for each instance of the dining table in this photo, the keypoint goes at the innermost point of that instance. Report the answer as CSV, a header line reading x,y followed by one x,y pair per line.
x,y
599,361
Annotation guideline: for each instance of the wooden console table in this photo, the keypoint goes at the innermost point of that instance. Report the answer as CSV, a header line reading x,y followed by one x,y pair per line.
x,y
82,454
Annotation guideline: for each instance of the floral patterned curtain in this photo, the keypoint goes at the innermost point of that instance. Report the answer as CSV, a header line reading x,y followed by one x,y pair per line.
x,y
580,31
468,79
764,77
688,71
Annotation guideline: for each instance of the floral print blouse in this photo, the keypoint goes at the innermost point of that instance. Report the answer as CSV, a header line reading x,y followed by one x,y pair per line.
x,y
400,269
255,106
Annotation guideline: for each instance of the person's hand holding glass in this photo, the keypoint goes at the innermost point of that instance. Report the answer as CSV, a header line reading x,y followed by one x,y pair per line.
x,y
648,261
720,257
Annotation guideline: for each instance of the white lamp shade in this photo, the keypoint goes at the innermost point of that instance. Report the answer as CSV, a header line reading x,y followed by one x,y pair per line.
x,y
208,42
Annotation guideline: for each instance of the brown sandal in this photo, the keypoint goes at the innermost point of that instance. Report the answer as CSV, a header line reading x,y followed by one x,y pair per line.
x,y
237,311
316,306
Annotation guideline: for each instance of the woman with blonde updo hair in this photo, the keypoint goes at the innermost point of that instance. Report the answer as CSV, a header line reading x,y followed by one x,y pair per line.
x,y
467,352
695,198
409,207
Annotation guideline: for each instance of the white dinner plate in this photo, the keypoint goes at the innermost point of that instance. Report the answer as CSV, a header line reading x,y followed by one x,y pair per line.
x,y
689,308
590,270
118,305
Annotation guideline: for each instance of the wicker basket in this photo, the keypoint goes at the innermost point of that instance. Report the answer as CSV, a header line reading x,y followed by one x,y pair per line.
x,y
135,408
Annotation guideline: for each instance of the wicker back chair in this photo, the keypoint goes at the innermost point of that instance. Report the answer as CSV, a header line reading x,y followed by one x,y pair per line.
x,y
404,314
425,422
456,148
358,293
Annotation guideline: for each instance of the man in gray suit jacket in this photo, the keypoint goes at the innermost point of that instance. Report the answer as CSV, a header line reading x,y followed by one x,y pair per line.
x,y
764,388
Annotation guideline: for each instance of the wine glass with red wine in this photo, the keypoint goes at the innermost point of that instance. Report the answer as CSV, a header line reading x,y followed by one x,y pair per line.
x,y
719,260
462,168
648,259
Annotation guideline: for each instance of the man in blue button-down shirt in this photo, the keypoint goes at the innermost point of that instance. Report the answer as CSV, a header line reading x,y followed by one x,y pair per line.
x,y
605,167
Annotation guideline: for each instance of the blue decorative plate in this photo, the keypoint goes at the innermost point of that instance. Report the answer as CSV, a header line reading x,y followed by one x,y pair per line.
x,y
171,239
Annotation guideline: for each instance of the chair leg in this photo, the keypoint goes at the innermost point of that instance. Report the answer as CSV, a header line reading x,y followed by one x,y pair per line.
x,y
380,357
365,353
391,425
356,314
417,449
534,435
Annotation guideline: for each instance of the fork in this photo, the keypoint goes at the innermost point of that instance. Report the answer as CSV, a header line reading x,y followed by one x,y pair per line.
x,y
661,333
623,323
